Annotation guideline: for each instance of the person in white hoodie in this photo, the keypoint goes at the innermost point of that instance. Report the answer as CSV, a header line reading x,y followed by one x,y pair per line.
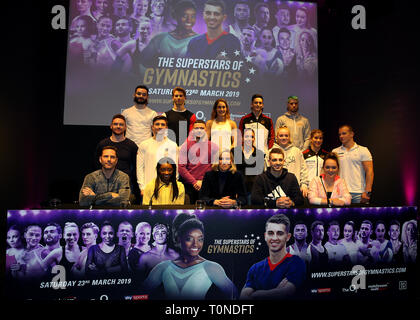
x,y
299,126
293,159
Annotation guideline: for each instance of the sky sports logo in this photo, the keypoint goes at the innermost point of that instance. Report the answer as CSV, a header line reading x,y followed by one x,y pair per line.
x,y
137,297
321,290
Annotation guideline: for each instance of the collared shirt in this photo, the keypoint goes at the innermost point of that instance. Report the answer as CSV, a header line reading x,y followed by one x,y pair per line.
x,y
351,166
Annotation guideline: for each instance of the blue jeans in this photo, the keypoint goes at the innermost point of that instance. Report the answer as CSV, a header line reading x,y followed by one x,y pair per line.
x,y
355,197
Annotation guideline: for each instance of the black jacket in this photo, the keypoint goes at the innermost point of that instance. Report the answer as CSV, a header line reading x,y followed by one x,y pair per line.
x,y
234,187
266,186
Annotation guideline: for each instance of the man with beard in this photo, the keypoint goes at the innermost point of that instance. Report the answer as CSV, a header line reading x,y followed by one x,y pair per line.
x,y
365,243
180,120
123,30
139,117
126,150
125,234
317,252
241,14
52,253
262,17
108,185
120,9
300,246
248,39
299,126
279,275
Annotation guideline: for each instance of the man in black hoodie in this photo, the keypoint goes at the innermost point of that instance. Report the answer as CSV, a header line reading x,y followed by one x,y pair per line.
x,y
276,187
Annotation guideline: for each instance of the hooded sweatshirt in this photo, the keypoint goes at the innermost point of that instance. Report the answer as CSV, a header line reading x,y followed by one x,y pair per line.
x,y
300,129
269,187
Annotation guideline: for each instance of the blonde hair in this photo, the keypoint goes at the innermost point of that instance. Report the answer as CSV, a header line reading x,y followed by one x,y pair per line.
x,y
215,166
288,130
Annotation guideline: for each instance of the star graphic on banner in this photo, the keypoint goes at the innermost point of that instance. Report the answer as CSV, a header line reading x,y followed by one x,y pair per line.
x,y
223,53
248,59
247,80
236,52
252,71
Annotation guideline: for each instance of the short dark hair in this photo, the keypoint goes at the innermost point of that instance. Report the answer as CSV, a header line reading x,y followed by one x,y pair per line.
x,y
259,5
275,150
257,95
380,222
141,87
106,223
285,30
111,148
367,222
179,89
160,117
395,222
333,223
56,225
279,219
118,116
316,223
217,3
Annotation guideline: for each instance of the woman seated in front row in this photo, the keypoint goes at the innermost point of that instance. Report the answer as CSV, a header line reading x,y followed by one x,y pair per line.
x,y
224,186
329,189
165,189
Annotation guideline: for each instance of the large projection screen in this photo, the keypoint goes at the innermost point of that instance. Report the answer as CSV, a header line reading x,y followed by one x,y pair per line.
x,y
114,45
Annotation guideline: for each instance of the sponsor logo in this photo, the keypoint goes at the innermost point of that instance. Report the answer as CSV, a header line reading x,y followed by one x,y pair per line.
x,y
321,290
402,285
378,287
137,297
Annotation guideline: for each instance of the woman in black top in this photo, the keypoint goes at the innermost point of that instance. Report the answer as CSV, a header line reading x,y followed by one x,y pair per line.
x,y
248,160
106,257
224,186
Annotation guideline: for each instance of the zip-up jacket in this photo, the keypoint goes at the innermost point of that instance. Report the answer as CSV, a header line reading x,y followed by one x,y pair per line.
x,y
262,122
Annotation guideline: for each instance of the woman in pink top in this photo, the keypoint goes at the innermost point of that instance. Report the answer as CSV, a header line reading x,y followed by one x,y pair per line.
x,y
329,189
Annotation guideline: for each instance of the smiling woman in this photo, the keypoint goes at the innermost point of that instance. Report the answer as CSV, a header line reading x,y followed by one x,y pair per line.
x,y
200,274
329,188
164,189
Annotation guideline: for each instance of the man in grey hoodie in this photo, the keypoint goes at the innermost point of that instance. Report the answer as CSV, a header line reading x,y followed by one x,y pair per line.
x,y
299,126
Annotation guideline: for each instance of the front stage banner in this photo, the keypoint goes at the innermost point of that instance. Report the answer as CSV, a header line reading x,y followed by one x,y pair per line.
x,y
342,252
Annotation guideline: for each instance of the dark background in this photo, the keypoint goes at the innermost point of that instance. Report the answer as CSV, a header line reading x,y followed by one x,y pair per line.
x,y
368,78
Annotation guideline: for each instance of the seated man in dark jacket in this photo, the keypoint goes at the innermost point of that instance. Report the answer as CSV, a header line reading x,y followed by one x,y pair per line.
x,y
276,187
224,186
108,185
